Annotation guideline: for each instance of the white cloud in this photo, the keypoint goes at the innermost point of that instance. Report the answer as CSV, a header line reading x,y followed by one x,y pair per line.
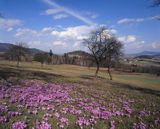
x,y
34,43
136,20
47,29
127,39
24,31
59,43
154,17
68,11
129,21
77,45
57,38
60,16
7,23
9,29
53,11
77,32
62,40
131,38
155,45
112,31
20,32
139,46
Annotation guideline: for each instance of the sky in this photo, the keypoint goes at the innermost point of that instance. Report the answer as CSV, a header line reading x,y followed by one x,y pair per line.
x,y
61,25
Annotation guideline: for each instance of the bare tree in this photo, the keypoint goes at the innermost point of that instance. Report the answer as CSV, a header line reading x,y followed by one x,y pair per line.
x,y
18,51
112,53
104,47
96,45
41,57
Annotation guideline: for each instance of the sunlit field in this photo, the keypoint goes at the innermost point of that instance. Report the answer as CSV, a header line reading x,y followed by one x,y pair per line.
x,y
73,72
68,96
79,64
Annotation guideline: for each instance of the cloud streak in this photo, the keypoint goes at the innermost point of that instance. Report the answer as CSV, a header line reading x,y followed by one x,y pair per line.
x,y
137,20
53,11
70,12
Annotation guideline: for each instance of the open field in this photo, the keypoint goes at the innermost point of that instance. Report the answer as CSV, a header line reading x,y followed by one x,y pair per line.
x,y
73,72
67,96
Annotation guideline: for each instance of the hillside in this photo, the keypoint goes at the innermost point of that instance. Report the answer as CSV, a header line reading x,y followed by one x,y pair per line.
x,y
6,46
145,54
71,94
149,53
78,53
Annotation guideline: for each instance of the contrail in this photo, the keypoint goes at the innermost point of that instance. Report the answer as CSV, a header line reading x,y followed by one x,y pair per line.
x,y
70,12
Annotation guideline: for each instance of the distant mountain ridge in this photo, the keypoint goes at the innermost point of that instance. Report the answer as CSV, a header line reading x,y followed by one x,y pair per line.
x,y
4,47
149,53
144,54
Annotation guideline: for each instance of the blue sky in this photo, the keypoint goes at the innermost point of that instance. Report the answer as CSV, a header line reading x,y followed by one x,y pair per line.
x,y
61,25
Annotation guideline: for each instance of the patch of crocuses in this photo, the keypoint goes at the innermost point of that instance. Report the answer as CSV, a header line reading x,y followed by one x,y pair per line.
x,y
19,125
39,105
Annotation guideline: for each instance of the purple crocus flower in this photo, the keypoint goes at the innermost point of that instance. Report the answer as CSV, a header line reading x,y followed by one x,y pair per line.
x,y
19,125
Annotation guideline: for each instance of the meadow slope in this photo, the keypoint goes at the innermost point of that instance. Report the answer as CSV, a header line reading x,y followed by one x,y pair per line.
x,y
67,96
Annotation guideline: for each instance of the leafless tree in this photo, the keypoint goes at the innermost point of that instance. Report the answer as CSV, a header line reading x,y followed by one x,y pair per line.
x,y
96,45
113,52
18,51
41,57
104,47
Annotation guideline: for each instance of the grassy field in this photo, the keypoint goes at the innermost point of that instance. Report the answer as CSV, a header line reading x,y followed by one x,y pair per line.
x,y
131,100
72,72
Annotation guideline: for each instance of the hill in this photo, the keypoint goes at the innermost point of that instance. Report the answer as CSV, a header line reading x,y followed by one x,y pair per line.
x,y
4,47
78,54
144,55
149,53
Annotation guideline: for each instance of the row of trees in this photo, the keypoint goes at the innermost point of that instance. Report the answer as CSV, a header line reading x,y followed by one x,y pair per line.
x,y
20,52
47,58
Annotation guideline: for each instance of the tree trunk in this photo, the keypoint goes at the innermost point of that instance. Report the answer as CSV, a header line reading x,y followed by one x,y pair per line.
x,y
17,63
18,60
97,70
42,65
109,72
